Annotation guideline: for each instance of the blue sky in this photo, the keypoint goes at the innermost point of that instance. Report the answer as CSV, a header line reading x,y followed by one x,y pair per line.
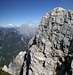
x,y
28,11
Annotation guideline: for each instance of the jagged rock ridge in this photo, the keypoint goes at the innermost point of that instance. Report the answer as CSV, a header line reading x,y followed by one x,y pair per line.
x,y
50,51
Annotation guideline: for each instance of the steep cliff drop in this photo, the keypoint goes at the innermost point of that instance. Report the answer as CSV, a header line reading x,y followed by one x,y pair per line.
x,y
50,51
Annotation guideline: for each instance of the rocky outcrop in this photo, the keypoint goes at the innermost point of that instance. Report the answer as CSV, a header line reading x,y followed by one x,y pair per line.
x,y
15,66
50,51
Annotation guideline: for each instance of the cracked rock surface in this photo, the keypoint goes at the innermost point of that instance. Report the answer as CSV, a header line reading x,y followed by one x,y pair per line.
x,y
50,51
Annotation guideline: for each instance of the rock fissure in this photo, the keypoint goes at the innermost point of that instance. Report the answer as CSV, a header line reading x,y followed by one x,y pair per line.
x,y
27,59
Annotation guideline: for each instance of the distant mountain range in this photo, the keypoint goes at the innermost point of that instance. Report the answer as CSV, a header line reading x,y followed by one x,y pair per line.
x,y
28,29
12,41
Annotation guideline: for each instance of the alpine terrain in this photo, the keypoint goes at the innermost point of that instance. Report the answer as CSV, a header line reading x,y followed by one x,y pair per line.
x,y
50,51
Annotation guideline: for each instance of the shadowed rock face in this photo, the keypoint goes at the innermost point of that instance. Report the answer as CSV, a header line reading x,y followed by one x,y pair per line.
x,y
50,49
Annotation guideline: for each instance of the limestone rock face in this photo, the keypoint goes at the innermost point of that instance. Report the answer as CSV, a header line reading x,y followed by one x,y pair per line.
x,y
50,51
14,67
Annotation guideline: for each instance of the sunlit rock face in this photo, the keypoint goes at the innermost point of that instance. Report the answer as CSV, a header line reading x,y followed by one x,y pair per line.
x,y
15,66
50,51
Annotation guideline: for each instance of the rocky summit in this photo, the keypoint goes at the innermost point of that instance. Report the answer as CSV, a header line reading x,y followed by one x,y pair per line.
x,y
50,51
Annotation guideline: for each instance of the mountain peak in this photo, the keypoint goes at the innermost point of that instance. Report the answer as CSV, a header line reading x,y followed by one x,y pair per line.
x,y
59,9
50,51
